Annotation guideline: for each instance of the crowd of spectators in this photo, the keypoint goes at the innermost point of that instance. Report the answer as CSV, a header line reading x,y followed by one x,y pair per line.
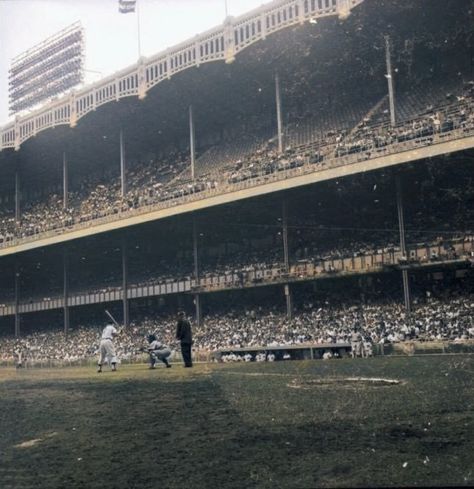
x,y
362,221
153,181
80,344
335,88
380,323
445,316
367,138
246,270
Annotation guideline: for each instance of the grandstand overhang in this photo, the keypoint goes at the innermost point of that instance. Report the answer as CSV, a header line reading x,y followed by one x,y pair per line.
x,y
222,43
247,191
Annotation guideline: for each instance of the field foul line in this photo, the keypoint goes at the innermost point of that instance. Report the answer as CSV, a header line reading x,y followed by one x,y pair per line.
x,y
35,441
258,374
322,379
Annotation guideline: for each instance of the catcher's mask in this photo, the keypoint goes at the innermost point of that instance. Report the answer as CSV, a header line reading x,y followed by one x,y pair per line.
x,y
151,338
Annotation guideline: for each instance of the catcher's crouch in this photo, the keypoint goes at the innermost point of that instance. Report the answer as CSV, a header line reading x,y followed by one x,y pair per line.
x,y
157,351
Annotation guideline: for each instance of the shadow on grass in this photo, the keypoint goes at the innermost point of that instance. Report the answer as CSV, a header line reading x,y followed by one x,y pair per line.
x,y
208,431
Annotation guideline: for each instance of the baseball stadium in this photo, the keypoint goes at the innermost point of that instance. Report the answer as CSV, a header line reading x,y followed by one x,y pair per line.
x,y
296,188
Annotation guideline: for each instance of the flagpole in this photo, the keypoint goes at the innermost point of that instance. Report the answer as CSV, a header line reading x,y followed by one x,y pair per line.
x,y
138,30
226,9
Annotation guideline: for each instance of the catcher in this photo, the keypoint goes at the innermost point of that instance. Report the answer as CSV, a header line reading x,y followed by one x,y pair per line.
x,y
157,351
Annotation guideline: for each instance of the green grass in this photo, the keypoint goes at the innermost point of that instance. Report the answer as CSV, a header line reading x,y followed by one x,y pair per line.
x,y
240,425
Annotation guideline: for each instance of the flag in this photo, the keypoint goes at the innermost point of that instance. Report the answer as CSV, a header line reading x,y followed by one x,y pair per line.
x,y
127,6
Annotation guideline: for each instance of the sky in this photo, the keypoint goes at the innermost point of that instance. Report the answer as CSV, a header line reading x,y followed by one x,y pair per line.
x,y
111,38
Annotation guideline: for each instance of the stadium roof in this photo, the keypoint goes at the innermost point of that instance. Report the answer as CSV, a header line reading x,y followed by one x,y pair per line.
x,y
322,66
221,43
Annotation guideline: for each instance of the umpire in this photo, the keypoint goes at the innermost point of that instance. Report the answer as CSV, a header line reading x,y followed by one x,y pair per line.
x,y
184,335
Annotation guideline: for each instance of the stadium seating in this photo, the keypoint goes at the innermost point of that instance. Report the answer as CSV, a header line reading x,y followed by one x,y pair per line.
x,y
235,162
335,112
441,317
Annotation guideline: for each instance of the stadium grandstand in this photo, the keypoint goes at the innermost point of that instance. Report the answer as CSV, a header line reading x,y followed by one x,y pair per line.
x,y
299,171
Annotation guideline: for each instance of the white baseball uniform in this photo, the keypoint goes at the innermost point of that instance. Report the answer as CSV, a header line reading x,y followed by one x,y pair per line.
x,y
158,351
107,350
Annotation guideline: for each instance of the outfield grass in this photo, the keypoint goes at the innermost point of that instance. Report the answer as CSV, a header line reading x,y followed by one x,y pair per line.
x,y
240,425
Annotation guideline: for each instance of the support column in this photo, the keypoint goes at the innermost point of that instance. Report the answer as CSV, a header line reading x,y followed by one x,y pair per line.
x,y
197,299
229,40
192,148
401,220
289,305
278,111
289,302
66,290
123,177
406,291
17,299
195,250
285,235
65,182
401,227
197,303
17,196
126,315
389,75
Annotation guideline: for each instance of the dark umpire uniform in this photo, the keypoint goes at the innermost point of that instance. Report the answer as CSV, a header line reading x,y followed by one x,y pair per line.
x,y
184,335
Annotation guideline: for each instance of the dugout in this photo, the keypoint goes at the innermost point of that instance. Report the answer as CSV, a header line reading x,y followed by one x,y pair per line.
x,y
297,352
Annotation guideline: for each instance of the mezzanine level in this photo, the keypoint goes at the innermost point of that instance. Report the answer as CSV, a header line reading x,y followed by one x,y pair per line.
x,y
459,252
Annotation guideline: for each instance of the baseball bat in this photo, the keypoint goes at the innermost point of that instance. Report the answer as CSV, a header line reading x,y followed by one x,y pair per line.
x,y
112,318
